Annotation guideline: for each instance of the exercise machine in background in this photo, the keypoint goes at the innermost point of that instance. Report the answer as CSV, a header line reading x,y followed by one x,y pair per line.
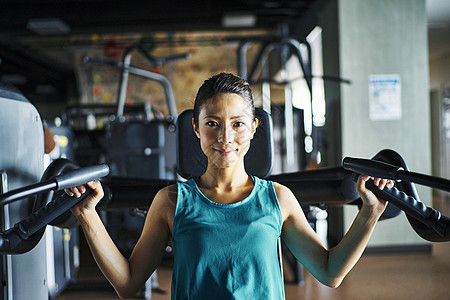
x,y
25,243
22,238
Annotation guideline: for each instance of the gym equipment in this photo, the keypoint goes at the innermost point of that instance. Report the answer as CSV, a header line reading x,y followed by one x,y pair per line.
x,y
427,222
127,69
273,60
21,163
27,243
282,45
134,147
322,187
138,147
25,235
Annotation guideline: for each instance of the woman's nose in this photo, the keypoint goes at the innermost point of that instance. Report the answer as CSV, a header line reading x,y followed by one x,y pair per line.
x,y
226,135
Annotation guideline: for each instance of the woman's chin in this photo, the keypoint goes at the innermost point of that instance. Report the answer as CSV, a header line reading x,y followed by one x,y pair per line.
x,y
223,162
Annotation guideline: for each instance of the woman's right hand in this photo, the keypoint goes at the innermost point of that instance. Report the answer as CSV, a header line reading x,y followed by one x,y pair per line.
x,y
88,203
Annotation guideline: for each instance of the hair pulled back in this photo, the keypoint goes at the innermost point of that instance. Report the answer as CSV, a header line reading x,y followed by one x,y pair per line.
x,y
223,83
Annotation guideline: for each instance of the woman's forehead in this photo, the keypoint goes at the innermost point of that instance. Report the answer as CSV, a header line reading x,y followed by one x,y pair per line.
x,y
227,104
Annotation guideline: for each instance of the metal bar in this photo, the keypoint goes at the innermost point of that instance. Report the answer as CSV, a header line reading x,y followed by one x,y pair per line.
x,y
242,59
260,60
265,90
289,128
430,181
7,260
123,82
306,66
164,82
27,191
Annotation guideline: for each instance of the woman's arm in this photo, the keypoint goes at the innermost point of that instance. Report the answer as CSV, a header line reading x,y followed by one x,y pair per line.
x,y
126,276
330,266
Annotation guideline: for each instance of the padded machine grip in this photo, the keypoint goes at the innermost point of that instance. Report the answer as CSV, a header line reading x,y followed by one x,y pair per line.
x,y
412,207
46,214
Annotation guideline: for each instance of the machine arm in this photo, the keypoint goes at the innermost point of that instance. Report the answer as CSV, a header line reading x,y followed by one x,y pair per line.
x,y
327,186
26,234
427,222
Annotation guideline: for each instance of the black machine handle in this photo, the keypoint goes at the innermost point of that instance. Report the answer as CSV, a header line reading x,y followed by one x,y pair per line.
x,y
46,214
389,171
69,179
429,223
372,168
26,234
81,176
416,209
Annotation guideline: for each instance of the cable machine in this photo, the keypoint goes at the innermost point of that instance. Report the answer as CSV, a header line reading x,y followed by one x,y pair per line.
x,y
259,71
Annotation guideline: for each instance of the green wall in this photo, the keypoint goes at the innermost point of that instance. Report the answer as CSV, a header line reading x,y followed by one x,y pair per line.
x,y
383,37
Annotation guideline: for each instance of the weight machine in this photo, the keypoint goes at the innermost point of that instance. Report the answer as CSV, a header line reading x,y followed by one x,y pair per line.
x,y
23,242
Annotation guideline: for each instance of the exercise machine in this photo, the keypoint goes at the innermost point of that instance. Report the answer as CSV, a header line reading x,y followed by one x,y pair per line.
x,y
23,241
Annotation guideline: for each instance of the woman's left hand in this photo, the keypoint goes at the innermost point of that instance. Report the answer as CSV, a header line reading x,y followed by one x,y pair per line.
x,y
370,200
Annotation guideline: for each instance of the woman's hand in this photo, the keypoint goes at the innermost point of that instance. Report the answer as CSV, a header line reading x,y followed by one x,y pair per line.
x,y
370,200
88,203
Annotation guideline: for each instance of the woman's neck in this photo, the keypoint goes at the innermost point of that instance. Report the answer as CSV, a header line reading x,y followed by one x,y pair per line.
x,y
225,186
224,179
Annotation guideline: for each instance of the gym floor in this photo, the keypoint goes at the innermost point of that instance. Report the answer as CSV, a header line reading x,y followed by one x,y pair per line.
x,y
375,276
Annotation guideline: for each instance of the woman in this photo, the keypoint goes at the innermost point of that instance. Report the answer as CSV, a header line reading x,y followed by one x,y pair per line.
x,y
226,223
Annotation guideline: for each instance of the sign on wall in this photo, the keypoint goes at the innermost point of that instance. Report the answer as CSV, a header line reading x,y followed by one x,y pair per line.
x,y
385,101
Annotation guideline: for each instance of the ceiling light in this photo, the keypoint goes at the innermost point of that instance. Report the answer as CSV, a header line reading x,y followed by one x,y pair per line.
x,y
238,20
53,26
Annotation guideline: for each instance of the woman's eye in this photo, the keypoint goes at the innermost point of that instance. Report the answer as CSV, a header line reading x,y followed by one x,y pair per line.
x,y
239,124
211,124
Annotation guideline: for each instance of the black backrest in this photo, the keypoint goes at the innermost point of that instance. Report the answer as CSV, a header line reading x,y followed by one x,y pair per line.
x,y
134,148
191,162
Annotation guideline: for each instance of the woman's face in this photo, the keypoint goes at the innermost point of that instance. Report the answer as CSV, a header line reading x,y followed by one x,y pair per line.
x,y
225,128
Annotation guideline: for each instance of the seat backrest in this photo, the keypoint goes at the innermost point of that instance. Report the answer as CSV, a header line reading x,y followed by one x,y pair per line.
x,y
135,148
191,162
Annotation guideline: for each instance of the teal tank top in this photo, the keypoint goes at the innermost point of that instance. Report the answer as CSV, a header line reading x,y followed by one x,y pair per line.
x,y
227,251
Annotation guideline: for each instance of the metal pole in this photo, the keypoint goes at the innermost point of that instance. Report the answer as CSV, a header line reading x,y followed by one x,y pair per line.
x,y
122,93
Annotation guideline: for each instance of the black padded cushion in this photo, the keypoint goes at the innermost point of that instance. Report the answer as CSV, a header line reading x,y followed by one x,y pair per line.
x,y
135,148
191,162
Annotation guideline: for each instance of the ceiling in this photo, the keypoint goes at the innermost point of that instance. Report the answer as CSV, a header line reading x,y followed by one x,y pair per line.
x,y
438,13
32,57
30,50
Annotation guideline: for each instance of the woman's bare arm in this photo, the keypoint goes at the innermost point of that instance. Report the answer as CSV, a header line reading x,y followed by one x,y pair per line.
x,y
329,266
127,276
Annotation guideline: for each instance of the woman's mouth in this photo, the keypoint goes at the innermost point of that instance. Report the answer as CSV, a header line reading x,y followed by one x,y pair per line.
x,y
225,152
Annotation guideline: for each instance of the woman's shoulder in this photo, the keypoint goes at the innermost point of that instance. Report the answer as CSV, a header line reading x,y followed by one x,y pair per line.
x,y
284,194
280,189
167,196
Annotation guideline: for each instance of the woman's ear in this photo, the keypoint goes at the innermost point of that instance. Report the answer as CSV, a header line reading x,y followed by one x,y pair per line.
x,y
197,133
254,126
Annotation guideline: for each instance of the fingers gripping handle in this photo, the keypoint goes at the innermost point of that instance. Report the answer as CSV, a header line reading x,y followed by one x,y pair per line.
x,y
54,209
46,214
81,176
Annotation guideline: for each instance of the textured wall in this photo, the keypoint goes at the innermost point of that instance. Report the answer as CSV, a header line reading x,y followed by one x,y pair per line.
x,y
386,37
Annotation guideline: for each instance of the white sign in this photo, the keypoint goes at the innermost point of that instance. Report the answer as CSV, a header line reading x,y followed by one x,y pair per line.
x,y
385,97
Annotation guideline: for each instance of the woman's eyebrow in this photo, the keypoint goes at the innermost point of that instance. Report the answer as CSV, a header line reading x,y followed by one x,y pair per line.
x,y
211,117
217,117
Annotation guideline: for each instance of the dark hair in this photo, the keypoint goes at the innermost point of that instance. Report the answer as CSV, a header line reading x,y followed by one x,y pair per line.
x,y
222,83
